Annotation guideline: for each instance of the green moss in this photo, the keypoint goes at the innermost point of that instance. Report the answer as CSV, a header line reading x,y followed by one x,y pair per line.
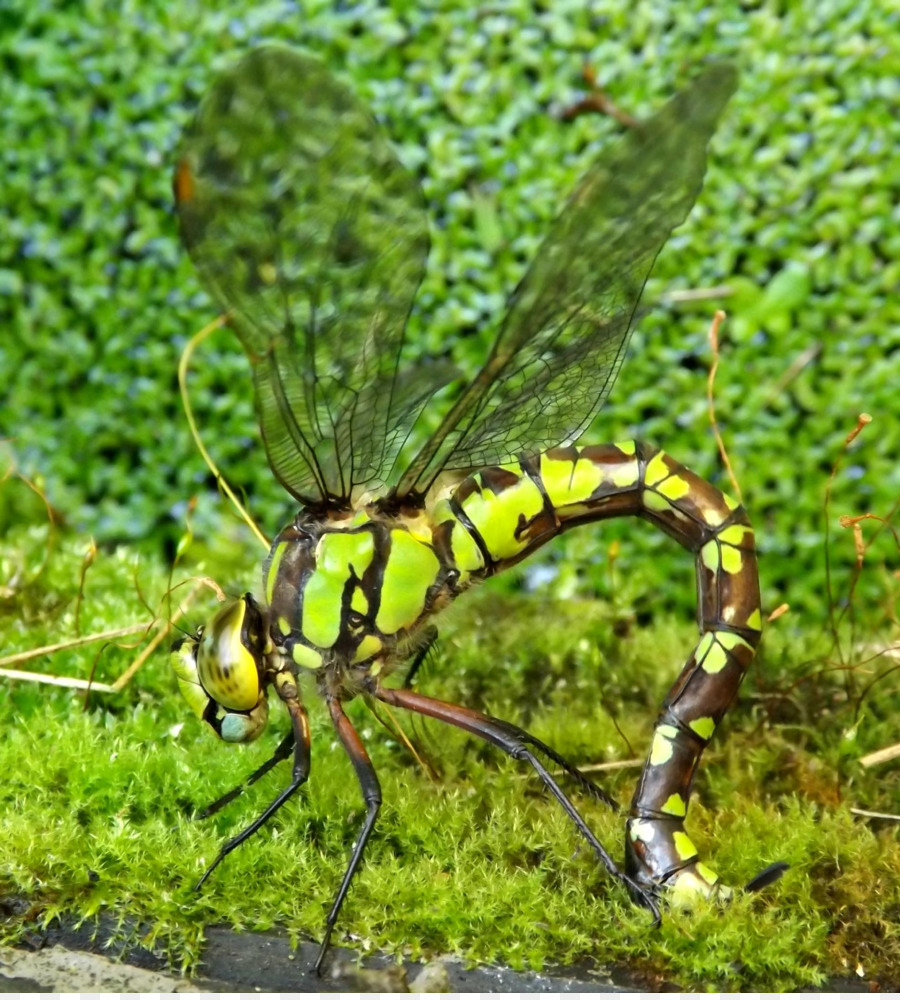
x,y
95,815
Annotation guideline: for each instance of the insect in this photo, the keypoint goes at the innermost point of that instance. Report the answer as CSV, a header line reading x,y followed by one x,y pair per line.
x,y
313,237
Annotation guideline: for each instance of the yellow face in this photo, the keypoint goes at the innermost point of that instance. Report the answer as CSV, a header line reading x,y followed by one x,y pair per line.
x,y
220,671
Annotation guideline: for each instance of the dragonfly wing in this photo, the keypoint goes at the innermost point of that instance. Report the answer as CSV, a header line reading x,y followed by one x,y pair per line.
x,y
563,339
307,229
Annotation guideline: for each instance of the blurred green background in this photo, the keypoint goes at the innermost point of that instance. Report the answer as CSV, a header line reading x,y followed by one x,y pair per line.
x,y
799,218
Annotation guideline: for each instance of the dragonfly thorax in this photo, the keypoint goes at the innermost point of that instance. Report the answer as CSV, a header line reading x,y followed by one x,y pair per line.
x,y
348,596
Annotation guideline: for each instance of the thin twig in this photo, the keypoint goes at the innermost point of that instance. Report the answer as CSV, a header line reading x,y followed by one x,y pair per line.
x,y
146,652
142,657
793,370
881,756
81,683
86,563
186,403
875,815
613,765
834,621
596,101
697,294
114,633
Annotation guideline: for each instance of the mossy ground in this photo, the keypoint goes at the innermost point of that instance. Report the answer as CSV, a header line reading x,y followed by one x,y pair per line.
x,y
95,808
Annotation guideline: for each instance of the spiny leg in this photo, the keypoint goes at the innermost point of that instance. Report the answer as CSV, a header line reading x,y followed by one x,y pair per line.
x,y
430,637
516,742
371,789
584,782
300,729
510,731
282,752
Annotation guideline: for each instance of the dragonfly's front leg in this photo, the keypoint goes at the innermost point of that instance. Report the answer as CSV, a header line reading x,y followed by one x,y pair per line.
x,y
658,850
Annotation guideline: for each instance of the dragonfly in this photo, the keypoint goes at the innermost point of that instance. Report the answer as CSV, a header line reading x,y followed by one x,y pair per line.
x,y
312,236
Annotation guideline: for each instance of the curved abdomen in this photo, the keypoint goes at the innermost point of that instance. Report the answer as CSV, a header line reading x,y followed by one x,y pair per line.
x,y
499,515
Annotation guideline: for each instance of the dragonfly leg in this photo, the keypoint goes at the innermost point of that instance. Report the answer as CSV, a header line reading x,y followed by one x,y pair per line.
x,y
516,742
371,789
300,772
282,752
431,635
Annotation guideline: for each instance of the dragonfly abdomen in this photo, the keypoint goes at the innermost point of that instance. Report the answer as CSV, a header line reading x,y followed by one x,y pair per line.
x,y
499,515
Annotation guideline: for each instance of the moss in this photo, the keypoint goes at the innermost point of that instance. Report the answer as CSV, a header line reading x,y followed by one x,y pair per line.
x,y
96,812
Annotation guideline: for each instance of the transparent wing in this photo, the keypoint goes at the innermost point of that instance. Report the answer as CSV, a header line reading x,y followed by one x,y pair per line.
x,y
306,228
563,339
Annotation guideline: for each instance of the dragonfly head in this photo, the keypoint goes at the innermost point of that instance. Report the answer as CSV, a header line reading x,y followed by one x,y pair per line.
x,y
221,670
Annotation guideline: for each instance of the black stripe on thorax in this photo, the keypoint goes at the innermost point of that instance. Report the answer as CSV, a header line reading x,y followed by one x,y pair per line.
x,y
372,580
460,515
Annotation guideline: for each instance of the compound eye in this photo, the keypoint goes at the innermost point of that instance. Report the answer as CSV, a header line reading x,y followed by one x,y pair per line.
x,y
220,671
229,656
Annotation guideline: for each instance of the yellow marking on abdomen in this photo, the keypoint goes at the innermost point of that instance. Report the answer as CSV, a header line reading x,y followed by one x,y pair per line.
x,y
496,516
570,481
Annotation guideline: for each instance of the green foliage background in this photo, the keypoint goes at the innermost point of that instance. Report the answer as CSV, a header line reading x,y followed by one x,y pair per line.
x,y
799,217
